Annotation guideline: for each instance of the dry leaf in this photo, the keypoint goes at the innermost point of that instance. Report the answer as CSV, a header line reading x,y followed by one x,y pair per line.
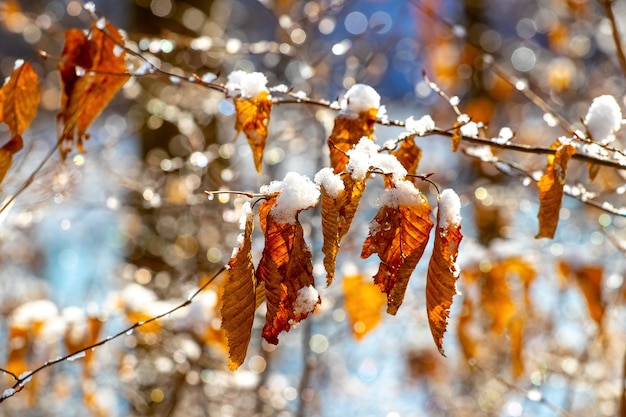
x,y
347,132
239,299
330,231
551,190
353,193
468,344
92,71
589,280
398,234
363,303
6,160
253,116
286,269
442,269
516,330
409,155
456,136
20,96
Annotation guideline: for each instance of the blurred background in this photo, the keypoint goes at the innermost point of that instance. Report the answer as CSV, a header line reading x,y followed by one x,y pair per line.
x,y
124,232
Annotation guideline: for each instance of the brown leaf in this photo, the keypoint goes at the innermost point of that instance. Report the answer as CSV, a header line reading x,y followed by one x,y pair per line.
x,y
353,193
496,296
456,136
468,344
363,303
409,155
6,160
92,71
20,97
347,131
239,299
330,230
551,190
286,269
516,330
253,116
398,234
442,268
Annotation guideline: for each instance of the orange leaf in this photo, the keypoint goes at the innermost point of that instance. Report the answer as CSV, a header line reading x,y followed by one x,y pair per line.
x,y
468,344
330,231
551,190
92,71
409,155
496,297
442,268
398,234
363,303
20,96
347,131
239,300
286,269
253,116
589,280
353,193
456,135
6,160
516,330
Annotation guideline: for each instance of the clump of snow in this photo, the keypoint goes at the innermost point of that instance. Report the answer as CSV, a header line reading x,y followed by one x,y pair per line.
x,y
306,300
246,209
420,127
331,182
603,119
403,194
360,98
280,88
366,154
504,136
297,193
136,297
9,392
249,85
468,128
38,311
449,209
76,356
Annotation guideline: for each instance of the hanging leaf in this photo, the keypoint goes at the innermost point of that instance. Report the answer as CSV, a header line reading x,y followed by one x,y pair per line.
x,y
551,190
347,131
239,299
589,280
442,269
92,71
363,303
409,155
286,269
253,116
6,160
496,296
398,234
333,197
516,330
20,100
468,344
354,192
456,135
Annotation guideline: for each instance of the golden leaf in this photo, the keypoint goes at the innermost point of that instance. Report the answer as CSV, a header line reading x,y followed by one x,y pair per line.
x,y
456,136
442,274
409,155
239,299
346,133
92,71
551,190
363,303
352,197
20,97
468,344
253,116
496,295
398,234
330,231
285,268
516,330
6,160
589,280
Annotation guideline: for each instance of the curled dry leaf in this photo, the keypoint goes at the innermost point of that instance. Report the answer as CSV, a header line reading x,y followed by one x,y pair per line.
x,y
93,70
442,269
239,299
516,333
285,268
20,100
6,160
551,190
398,234
589,280
363,303
253,116
347,131
330,231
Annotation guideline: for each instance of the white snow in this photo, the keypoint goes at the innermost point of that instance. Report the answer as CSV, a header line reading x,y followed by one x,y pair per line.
x,y
297,193
504,136
306,300
360,156
420,127
603,119
330,181
468,128
135,297
280,88
360,98
18,64
9,392
76,356
249,85
404,194
38,311
449,209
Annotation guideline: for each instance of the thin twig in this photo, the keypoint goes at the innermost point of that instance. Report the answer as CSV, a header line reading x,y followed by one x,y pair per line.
x,y
608,8
20,381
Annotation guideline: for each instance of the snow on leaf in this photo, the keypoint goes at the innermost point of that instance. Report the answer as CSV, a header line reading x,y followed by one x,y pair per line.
x,y
253,116
239,299
285,268
348,130
551,190
442,269
84,97
603,119
20,100
363,303
398,234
